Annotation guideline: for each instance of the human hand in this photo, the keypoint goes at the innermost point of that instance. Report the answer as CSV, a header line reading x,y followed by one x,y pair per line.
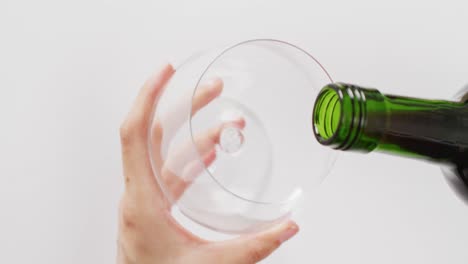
x,y
147,231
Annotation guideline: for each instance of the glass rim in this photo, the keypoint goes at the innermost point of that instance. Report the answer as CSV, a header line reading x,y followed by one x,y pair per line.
x,y
292,197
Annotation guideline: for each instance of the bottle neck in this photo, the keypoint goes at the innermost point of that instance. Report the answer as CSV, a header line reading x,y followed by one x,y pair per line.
x,y
349,117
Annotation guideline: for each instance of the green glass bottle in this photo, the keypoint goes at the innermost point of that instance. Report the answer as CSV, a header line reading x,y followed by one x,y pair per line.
x,y
352,118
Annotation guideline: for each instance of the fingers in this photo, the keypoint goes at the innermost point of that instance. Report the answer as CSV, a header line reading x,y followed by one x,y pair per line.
x,y
177,185
206,93
134,130
193,169
170,122
183,164
206,141
181,156
252,249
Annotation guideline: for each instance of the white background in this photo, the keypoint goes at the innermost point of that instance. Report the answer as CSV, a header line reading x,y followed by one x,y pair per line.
x,y
70,70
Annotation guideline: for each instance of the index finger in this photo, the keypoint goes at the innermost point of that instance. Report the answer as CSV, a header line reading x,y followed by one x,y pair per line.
x,y
134,130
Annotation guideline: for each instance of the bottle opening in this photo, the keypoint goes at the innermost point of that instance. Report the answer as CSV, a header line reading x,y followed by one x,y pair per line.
x,y
327,114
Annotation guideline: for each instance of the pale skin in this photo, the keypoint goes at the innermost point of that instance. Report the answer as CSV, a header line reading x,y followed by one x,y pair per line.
x,y
147,231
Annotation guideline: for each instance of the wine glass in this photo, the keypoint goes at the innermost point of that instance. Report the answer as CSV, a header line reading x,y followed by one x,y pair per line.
x,y
244,158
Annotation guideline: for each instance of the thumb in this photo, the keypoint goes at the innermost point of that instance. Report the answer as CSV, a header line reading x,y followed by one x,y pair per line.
x,y
254,248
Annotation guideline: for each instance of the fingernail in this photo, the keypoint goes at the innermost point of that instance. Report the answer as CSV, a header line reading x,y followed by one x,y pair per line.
x,y
240,122
213,81
214,84
166,66
289,232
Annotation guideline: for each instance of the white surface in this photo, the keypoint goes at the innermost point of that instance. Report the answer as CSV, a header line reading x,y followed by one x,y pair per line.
x,y
70,70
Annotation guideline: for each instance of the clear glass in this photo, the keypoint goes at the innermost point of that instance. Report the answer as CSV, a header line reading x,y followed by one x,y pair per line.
x,y
231,142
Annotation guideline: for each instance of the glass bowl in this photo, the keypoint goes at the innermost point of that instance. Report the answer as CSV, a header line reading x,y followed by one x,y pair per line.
x,y
231,140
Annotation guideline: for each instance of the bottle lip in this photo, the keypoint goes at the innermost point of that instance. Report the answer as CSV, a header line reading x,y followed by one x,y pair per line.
x,y
352,116
330,140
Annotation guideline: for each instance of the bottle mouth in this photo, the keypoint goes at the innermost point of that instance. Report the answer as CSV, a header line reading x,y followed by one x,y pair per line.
x,y
327,114
339,115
